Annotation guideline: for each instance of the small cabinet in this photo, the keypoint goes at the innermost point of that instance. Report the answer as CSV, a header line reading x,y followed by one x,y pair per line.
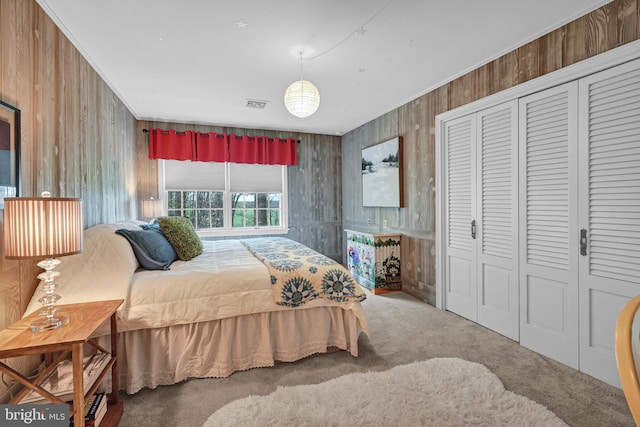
x,y
374,260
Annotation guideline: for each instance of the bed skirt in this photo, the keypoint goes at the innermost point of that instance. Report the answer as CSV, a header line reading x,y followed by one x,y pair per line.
x,y
163,356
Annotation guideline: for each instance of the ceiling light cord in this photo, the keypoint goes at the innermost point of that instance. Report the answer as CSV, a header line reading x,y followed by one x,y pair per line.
x,y
302,98
360,29
301,66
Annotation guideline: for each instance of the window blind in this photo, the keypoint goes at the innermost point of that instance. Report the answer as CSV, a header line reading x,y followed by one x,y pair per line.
x,y
188,175
255,178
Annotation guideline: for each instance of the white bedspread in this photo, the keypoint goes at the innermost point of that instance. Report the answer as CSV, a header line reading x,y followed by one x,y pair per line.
x,y
225,281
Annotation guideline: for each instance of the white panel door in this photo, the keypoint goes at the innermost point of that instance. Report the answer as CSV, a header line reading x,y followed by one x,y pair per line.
x,y
460,274
548,214
609,211
497,219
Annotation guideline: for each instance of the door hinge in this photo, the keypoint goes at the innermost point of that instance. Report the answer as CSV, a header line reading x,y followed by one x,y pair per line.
x,y
473,229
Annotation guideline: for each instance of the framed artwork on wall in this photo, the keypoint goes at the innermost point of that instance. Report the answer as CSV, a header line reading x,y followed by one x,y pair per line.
x,y
382,174
9,152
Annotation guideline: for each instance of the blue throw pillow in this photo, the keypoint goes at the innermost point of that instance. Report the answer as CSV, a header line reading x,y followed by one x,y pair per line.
x,y
153,250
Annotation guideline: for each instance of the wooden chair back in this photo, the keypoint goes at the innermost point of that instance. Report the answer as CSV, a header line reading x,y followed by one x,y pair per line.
x,y
627,342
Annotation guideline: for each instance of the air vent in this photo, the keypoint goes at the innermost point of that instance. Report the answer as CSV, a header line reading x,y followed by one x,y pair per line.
x,y
256,103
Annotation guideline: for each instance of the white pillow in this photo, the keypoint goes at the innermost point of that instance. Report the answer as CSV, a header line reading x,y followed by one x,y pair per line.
x,y
102,272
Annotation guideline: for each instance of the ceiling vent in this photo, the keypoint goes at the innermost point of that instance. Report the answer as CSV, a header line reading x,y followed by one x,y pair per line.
x,y
256,103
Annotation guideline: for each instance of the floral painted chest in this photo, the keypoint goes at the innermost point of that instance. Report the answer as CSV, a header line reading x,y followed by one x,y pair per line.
x,y
374,260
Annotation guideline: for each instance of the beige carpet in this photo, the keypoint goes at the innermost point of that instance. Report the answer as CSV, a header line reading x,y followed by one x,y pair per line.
x,y
443,392
403,330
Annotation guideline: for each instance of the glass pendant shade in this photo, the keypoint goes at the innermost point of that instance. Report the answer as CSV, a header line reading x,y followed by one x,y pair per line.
x,y
302,98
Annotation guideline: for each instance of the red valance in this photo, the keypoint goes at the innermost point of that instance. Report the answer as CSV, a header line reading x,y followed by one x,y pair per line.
x,y
247,149
171,144
211,147
214,147
282,151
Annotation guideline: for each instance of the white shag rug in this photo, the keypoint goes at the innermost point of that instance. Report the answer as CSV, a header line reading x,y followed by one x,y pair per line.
x,y
437,392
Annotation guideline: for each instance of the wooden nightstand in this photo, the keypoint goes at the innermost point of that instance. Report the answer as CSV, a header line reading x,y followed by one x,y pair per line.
x,y
84,320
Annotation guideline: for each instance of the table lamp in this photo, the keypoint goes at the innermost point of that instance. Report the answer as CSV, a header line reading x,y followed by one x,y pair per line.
x,y
43,227
151,208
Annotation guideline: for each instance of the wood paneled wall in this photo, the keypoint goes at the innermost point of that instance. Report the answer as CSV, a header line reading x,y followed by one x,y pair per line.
x,y
315,190
78,138
606,28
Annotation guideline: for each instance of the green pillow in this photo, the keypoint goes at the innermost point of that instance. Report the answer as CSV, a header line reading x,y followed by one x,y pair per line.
x,y
180,233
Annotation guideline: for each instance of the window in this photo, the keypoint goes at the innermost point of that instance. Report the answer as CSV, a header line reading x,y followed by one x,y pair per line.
x,y
226,198
205,208
255,209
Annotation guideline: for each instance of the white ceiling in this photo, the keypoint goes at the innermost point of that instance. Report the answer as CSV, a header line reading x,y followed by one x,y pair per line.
x,y
199,61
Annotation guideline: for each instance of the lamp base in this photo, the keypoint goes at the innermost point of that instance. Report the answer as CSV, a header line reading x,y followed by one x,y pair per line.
x,y
49,323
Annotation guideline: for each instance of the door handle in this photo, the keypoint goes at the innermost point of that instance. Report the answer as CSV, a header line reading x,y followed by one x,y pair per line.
x,y
473,229
583,242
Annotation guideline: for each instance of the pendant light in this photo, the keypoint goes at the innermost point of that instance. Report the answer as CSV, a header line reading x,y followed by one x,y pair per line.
x,y
302,97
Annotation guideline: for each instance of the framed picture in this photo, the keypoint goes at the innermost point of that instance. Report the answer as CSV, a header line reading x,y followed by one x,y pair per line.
x,y
382,174
9,152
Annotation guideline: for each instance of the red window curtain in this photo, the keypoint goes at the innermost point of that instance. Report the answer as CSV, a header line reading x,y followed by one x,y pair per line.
x,y
211,147
215,147
282,151
247,149
171,144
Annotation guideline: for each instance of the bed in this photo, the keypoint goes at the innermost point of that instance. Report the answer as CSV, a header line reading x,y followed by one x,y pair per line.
x,y
225,310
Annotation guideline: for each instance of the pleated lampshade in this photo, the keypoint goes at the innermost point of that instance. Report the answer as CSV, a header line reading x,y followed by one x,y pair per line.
x,y
39,227
151,208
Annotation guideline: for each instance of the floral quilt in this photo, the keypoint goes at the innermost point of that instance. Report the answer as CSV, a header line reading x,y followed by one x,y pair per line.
x,y
300,274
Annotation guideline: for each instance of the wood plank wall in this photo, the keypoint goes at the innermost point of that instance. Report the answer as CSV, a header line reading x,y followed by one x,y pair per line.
x,y
77,136
315,191
79,140
606,28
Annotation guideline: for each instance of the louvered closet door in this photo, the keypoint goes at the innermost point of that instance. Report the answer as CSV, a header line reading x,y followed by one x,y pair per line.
x,y
459,152
548,215
497,219
609,210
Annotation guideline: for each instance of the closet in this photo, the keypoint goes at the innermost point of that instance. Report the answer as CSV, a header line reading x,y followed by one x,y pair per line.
x,y
608,210
541,216
548,195
481,210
